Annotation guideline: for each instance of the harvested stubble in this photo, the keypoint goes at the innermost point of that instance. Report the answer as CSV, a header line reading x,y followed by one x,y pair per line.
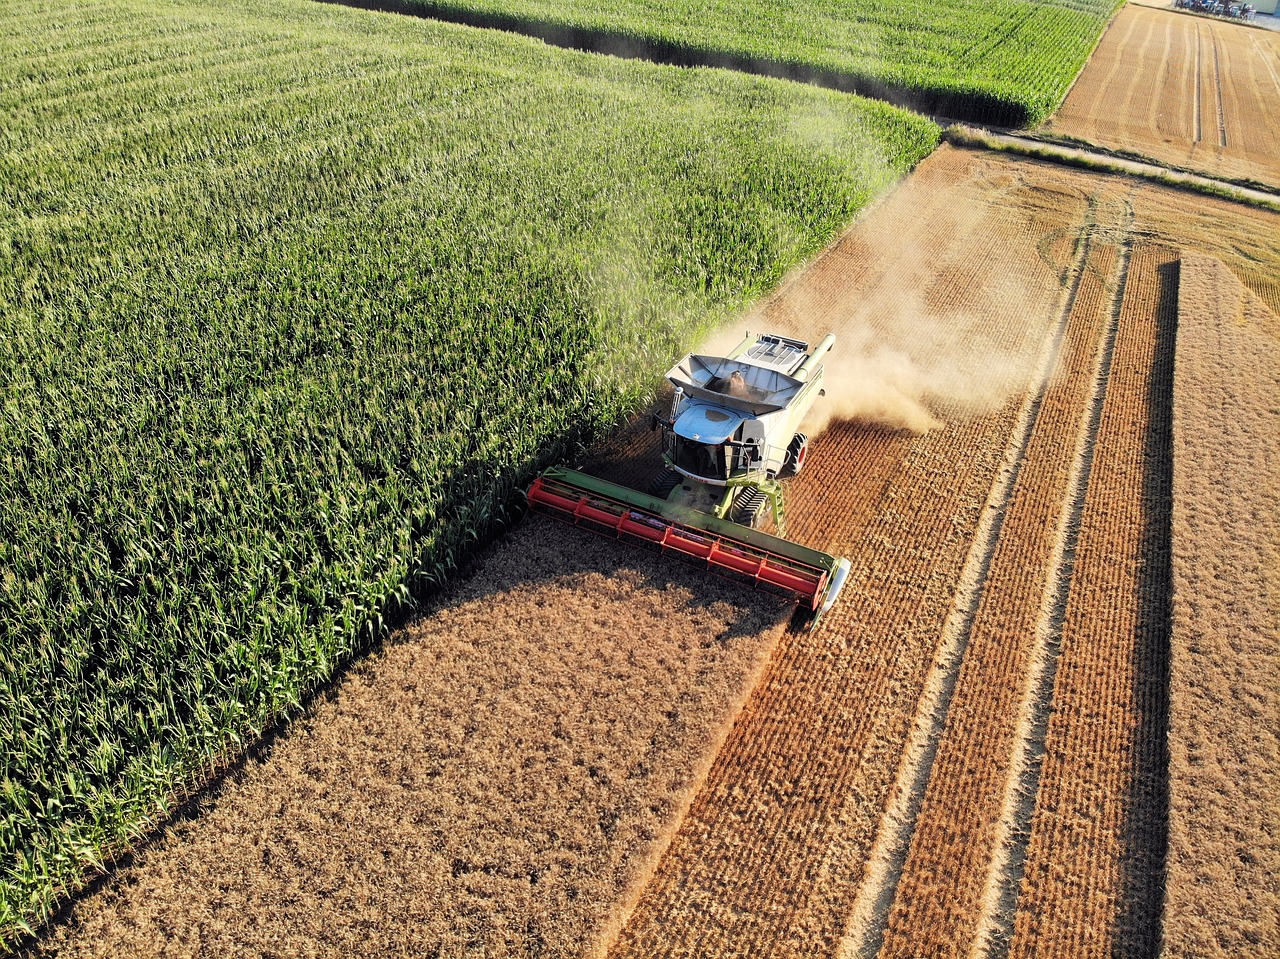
x,y
1094,860
940,893
763,864
1188,91
491,783
1223,895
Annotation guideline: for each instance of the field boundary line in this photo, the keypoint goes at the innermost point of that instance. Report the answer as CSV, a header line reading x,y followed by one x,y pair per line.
x,y
994,928
865,929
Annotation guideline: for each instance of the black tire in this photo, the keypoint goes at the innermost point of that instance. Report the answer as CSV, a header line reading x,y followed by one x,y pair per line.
x,y
748,508
797,451
663,483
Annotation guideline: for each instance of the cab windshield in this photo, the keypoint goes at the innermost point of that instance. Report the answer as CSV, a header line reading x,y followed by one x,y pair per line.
x,y
701,459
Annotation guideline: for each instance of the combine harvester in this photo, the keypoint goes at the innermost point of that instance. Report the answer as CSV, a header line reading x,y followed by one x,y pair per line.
x,y
731,434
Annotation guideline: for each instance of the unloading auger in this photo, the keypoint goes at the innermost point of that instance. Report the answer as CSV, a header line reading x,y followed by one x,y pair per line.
x,y
731,434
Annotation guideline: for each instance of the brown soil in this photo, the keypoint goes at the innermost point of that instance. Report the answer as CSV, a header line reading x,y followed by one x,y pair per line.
x,y
584,749
1224,737
1191,92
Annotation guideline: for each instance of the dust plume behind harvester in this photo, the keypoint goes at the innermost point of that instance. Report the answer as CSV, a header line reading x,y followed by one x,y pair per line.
x,y
729,437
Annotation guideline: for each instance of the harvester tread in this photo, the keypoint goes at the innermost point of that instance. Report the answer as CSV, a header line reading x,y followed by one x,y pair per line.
x,y
664,482
748,508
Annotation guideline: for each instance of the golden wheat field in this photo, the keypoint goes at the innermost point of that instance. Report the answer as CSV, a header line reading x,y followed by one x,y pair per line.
x,y
1194,92
1041,721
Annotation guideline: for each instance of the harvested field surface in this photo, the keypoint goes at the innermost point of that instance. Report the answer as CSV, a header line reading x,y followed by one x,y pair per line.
x,y
1224,731
940,891
1191,92
488,784
1093,855
1001,380
809,836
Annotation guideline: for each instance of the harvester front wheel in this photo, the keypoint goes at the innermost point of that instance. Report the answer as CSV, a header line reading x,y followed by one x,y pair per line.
x,y
748,508
796,454
663,483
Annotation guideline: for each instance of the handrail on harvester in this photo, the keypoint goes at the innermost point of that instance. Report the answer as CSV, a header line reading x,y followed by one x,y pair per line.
x,y
806,576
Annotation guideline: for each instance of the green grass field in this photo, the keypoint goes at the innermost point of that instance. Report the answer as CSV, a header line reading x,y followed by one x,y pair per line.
x,y
292,299
991,61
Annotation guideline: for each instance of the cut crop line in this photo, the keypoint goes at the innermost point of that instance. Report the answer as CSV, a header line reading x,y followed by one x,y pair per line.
x,y
1217,82
865,930
1199,122
1013,832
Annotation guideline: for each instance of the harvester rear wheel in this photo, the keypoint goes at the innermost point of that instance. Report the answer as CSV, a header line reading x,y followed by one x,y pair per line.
x,y
796,453
663,483
748,508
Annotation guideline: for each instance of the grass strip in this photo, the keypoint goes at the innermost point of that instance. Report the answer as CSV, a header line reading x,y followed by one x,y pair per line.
x,y
959,135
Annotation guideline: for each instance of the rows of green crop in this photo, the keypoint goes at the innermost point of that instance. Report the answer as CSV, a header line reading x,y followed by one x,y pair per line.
x,y
292,299
992,61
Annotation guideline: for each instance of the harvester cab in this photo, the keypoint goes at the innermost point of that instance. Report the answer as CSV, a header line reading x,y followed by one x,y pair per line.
x,y
733,427
730,434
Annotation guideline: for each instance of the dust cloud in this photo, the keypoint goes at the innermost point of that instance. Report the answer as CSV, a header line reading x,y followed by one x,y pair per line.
x,y
910,367
936,368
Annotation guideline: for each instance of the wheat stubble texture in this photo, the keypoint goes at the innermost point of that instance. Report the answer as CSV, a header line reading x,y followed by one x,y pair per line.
x,y
1191,92
489,783
940,892
1224,821
1094,863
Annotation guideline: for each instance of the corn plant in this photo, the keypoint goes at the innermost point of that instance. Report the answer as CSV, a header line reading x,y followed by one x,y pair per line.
x,y
1007,62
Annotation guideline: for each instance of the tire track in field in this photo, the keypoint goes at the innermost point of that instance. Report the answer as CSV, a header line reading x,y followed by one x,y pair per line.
x,y
1217,85
946,872
864,933
995,924
1199,130
1094,870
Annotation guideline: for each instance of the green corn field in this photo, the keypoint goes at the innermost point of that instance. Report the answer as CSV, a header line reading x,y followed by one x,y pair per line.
x,y
293,301
1005,62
